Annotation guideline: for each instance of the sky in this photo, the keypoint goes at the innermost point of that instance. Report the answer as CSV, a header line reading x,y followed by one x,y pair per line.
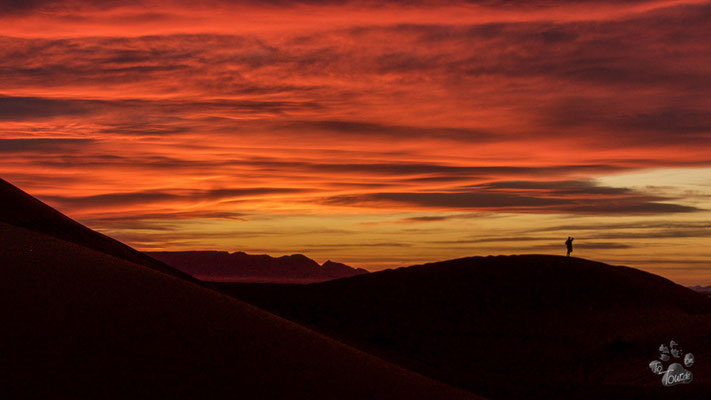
x,y
375,134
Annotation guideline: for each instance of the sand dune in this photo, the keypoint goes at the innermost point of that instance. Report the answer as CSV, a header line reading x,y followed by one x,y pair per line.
x,y
511,327
23,210
81,323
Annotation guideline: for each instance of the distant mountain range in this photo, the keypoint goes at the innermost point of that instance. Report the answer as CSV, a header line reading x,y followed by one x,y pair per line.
x,y
702,289
222,266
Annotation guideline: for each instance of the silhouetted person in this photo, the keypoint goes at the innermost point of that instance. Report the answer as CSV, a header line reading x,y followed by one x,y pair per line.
x,y
569,245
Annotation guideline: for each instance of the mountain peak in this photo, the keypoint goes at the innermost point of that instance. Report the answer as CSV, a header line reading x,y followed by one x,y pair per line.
x,y
336,269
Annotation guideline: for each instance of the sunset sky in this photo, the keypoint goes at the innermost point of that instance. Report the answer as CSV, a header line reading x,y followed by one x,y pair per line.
x,y
374,135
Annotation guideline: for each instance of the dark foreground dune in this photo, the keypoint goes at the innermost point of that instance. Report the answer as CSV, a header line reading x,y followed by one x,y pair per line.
x,y
22,210
82,324
516,327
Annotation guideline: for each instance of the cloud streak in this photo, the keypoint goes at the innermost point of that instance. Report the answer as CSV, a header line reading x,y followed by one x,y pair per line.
x,y
513,202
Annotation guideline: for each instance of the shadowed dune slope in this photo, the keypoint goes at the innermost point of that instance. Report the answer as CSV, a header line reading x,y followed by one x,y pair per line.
x,y
21,209
511,327
81,324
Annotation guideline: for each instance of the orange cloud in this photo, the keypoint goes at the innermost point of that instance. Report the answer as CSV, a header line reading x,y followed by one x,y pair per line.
x,y
175,110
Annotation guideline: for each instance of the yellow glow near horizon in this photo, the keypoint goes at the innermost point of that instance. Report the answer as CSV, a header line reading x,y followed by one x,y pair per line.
x,y
374,135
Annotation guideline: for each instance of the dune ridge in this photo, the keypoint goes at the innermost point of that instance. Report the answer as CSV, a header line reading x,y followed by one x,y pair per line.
x,y
25,211
82,323
510,327
87,316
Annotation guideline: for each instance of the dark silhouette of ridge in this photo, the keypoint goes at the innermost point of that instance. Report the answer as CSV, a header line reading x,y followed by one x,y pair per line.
x,y
22,210
240,266
510,327
82,323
